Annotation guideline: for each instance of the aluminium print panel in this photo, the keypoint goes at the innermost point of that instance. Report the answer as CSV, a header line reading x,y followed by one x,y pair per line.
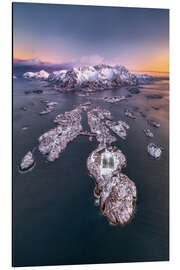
x,y
90,134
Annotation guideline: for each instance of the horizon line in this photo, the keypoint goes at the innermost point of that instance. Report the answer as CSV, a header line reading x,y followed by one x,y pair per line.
x,y
14,59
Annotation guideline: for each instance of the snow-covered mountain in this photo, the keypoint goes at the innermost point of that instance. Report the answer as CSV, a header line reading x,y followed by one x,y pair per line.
x,y
36,75
144,78
95,77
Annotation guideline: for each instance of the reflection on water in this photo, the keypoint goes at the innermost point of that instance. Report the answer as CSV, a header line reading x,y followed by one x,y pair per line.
x,y
54,217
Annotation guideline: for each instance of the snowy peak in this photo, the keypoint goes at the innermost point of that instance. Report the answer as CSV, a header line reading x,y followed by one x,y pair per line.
x,y
57,75
95,77
86,73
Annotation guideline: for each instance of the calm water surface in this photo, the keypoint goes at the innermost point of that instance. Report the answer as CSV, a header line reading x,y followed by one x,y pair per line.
x,y
55,219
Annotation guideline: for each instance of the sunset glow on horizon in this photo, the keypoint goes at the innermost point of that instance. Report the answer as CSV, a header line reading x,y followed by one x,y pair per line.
x,y
137,38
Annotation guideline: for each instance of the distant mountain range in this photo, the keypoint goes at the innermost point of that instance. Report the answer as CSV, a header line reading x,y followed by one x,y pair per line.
x,y
95,77
21,66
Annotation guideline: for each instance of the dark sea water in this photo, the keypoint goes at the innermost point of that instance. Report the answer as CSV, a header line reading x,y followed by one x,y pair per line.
x,y
55,217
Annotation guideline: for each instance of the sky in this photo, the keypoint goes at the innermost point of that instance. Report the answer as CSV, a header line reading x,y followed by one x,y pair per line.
x,y
137,38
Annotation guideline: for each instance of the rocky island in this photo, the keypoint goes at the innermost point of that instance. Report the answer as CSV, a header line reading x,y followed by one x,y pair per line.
x,y
148,133
154,150
114,99
55,140
27,162
49,107
117,193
